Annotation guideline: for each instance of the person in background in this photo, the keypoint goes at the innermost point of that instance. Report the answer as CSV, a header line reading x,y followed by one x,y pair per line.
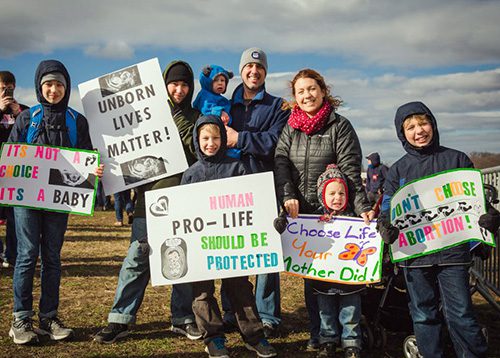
x,y
375,177
9,110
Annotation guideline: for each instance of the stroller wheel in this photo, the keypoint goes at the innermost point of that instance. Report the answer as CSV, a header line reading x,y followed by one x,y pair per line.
x,y
410,348
379,337
366,334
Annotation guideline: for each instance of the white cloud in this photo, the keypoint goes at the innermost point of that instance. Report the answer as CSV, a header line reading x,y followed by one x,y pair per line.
x,y
386,33
113,50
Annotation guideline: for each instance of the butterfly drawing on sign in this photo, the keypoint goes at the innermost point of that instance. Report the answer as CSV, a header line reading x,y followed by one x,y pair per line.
x,y
357,253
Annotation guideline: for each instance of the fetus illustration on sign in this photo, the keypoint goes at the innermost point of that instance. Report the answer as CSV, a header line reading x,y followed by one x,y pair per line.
x,y
174,258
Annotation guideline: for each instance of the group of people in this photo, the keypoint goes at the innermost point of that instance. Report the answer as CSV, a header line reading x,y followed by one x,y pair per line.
x,y
316,157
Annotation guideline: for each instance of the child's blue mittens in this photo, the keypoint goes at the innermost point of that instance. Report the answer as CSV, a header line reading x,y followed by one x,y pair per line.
x,y
387,231
491,220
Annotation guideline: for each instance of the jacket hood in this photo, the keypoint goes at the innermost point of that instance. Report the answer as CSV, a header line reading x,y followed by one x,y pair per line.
x,y
189,98
44,68
223,139
409,109
208,74
375,158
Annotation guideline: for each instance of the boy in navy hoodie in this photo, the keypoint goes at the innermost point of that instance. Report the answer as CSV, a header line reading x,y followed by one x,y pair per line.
x,y
210,141
41,232
441,277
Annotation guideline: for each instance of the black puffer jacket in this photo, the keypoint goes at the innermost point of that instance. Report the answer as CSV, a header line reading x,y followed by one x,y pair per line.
x,y
301,158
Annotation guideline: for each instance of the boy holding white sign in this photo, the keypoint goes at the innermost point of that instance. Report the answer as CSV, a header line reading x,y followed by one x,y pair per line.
x,y
337,303
210,142
41,232
441,277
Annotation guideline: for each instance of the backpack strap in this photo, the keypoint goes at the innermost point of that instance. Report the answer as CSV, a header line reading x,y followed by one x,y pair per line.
x,y
36,116
71,116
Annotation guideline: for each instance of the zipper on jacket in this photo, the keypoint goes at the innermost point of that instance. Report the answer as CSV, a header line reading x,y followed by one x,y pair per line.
x,y
306,167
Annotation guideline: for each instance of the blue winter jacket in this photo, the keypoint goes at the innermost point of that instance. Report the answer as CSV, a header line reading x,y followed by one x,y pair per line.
x,y
375,174
208,102
259,124
418,163
212,167
53,131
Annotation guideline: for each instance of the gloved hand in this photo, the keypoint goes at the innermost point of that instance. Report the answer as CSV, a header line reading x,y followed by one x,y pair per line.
x,y
388,231
491,220
281,222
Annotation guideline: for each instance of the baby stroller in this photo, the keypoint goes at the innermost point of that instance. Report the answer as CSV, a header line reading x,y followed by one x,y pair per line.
x,y
385,305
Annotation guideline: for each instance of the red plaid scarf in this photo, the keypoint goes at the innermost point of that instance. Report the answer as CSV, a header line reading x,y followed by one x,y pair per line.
x,y
309,125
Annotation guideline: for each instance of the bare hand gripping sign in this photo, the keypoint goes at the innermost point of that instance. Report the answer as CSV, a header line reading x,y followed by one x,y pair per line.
x,y
344,250
49,178
438,212
131,125
214,229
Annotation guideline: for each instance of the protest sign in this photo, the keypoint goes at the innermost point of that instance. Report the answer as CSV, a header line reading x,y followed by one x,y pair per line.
x,y
344,250
131,125
214,229
47,177
437,212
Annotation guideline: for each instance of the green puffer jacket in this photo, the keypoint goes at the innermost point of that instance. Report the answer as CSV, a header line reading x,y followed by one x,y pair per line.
x,y
185,117
300,159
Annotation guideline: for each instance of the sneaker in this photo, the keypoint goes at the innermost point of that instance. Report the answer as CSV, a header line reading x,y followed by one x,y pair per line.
x,y
352,352
189,330
111,333
326,350
263,349
54,328
313,344
118,224
269,330
216,348
22,331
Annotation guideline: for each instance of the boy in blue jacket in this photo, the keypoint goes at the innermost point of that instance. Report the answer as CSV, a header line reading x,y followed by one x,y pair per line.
x,y
210,100
440,277
41,232
210,141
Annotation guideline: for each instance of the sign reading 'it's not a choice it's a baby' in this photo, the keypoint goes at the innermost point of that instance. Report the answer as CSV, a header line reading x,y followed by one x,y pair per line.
x,y
46,177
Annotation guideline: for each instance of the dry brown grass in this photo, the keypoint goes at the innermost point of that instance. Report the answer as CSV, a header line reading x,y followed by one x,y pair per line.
x,y
92,257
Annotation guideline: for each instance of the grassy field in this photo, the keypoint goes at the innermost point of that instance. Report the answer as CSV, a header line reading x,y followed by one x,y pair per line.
x,y
92,257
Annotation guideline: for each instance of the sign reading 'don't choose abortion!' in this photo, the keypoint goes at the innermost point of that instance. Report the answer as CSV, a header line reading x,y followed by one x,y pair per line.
x,y
49,178
131,125
437,212
344,250
214,229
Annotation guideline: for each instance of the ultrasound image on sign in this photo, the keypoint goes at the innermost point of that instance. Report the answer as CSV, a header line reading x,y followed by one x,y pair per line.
x,y
120,81
143,168
69,178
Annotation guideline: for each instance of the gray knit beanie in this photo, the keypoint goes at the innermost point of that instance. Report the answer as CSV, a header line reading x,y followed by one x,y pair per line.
x,y
253,55
54,76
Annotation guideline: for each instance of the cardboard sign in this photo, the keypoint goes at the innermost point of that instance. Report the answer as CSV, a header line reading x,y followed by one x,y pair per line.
x,y
343,250
438,212
214,229
131,125
49,178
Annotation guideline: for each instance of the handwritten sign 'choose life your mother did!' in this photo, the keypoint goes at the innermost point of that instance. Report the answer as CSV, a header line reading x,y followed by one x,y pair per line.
x,y
131,125
344,250
438,212
215,229
49,178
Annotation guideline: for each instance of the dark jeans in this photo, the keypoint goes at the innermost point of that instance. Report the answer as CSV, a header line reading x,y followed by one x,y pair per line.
x,y
123,202
239,292
312,310
41,233
449,285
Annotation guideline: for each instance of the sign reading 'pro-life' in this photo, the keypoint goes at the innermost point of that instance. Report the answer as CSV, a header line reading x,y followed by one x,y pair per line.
x,y
50,178
344,250
131,125
214,229
438,212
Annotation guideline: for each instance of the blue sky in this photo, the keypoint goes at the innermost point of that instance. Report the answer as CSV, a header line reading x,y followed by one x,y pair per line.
x,y
376,55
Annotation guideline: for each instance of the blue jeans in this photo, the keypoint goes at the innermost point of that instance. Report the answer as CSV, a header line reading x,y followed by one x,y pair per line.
x,y
449,285
38,232
340,317
123,202
312,310
133,280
